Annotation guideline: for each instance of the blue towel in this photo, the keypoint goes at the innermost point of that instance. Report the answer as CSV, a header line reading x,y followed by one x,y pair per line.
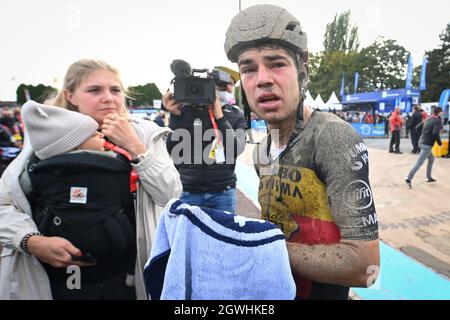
x,y
206,254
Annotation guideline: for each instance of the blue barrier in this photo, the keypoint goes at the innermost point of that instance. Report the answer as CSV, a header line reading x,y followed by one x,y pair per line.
x,y
366,130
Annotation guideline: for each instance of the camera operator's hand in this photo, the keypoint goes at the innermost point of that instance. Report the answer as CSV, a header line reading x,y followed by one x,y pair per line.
x,y
170,104
217,108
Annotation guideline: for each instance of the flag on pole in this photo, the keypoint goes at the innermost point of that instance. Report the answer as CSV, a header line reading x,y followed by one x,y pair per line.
x,y
409,73
423,75
342,87
356,81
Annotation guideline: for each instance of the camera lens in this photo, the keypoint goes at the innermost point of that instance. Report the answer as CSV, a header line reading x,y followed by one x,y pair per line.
x,y
194,90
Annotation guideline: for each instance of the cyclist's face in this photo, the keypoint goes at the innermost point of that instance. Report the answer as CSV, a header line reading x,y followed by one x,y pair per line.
x,y
270,81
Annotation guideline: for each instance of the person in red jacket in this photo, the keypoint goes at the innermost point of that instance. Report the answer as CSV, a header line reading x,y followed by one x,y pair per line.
x,y
396,125
424,114
368,118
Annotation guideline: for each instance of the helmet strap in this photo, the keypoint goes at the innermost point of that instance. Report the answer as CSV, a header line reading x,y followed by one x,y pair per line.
x,y
300,117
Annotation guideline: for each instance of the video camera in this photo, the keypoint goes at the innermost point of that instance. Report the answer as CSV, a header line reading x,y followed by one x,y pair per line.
x,y
196,90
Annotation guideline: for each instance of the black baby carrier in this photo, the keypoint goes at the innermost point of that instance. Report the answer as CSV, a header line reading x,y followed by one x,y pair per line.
x,y
84,197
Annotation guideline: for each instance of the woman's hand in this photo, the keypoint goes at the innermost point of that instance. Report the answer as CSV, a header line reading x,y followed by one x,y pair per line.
x,y
170,104
55,251
121,133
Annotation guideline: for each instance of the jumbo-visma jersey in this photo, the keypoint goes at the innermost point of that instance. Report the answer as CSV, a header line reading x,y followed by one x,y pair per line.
x,y
317,191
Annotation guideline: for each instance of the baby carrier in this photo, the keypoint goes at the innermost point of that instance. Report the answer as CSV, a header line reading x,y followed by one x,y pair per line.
x,y
84,197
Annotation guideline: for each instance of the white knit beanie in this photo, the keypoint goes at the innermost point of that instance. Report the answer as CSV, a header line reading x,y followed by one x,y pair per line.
x,y
54,130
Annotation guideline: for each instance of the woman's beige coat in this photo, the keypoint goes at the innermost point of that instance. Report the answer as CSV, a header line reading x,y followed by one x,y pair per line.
x,y
22,276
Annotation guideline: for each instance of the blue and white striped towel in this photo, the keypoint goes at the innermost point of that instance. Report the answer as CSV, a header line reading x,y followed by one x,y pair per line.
x,y
206,254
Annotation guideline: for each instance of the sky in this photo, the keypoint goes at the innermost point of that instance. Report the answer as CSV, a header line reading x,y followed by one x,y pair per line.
x,y
40,39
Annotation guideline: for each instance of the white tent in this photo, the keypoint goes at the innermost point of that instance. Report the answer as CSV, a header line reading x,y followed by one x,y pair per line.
x,y
333,102
319,102
309,101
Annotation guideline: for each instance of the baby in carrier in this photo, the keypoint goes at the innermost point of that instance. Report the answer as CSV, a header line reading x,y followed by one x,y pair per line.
x,y
80,192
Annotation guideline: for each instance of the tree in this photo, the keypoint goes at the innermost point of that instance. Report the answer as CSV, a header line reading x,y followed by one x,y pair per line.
x,y
416,76
382,65
144,95
339,58
340,35
38,93
327,69
438,70
314,61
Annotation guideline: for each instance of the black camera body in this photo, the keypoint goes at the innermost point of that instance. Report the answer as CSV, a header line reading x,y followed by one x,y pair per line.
x,y
196,90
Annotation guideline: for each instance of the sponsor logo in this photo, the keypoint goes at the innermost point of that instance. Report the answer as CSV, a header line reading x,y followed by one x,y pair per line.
x,y
378,132
357,156
350,98
370,220
365,129
384,94
286,183
78,195
358,195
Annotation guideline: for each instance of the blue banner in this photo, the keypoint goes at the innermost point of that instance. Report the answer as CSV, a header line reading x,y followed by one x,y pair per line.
x,y
443,100
342,87
356,81
366,130
398,102
423,75
409,73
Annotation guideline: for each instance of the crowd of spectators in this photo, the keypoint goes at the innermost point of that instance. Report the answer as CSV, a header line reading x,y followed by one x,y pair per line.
x,y
11,128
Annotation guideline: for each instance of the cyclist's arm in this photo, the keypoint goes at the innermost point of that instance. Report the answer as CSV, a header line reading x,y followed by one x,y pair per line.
x,y
341,161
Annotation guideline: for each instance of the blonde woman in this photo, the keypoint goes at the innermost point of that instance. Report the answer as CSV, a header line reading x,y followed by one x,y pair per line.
x,y
93,88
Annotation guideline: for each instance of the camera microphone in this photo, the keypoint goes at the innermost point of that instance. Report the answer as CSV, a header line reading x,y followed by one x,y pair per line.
x,y
181,69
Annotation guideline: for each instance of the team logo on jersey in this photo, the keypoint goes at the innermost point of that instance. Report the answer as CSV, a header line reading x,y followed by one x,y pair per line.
x,y
358,156
358,195
292,196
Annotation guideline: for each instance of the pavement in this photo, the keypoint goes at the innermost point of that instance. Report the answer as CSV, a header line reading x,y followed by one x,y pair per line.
x,y
413,221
